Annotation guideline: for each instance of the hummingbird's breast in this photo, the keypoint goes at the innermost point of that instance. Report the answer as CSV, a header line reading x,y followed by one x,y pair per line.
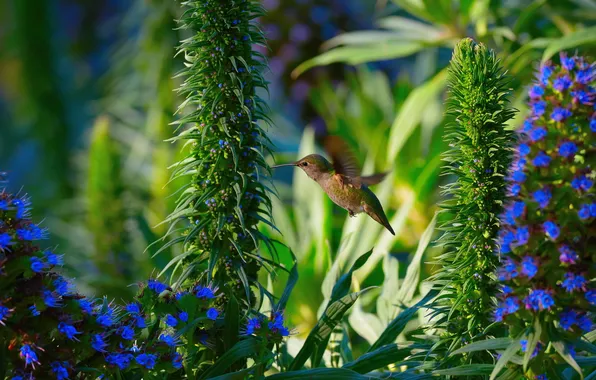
x,y
344,195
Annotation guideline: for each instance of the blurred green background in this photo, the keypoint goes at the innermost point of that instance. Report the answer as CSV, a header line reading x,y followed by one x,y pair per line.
x,y
87,98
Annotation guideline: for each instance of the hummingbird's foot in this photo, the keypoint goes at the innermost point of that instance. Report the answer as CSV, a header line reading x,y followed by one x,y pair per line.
x,y
351,214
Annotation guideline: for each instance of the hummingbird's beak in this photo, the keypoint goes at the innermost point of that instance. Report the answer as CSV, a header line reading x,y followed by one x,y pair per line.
x,y
281,165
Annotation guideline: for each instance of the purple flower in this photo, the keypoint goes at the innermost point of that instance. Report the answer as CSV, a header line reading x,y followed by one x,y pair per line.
x,y
537,134
560,114
573,282
171,321
551,229
542,197
568,256
68,330
529,266
28,354
562,83
212,313
146,360
156,286
60,369
542,160
539,300
5,241
98,343
536,91
37,265
567,149
121,360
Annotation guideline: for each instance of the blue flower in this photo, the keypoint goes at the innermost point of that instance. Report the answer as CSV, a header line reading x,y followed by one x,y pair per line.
x,y
3,205
511,304
5,312
5,241
204,292
127,332
52,258
562,83
539,300
23,206
582,183
169,340
582,97
212,313
538,108
568,256
508,270
551,229
506,239
183,316
585,76
106,319
528,125
542,197
146,360
51,299
60,369
133,308
584,323
180,294
567,62
140,321
567,149
573,282
591,297
33,232
171,321
86,305
529,266
560,114
541,160
156,286
524,345
37,265
63,287
177,360
28,354
536,91
98,343
515,189
522,235
545,73
518,209
519,176
68,330
537,134
584,212
593,123
252,325
121,360
567,319
34,310
524,149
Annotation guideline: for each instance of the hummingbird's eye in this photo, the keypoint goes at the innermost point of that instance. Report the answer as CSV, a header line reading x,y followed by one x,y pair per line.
x,y
305,164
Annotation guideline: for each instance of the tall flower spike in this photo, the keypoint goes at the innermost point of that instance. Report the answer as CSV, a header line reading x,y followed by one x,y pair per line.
x,y
557,255
225,199
479,156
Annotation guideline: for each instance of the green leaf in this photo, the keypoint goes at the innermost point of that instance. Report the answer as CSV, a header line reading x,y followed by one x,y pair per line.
x,y
382,357
354,55
292,280
505,357
342,287
319,373
581,37
533,338
316,342
232,323
484,345
467,370
399,323
561,348
239,375
241,350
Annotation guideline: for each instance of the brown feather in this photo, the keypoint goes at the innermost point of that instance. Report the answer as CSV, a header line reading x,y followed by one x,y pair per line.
x,y
373,179
344,160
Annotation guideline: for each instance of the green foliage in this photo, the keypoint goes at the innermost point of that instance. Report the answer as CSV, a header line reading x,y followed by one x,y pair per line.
x,y
479,156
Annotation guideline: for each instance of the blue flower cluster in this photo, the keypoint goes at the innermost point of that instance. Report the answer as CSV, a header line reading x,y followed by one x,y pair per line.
x,y
546,239
272,329
42,311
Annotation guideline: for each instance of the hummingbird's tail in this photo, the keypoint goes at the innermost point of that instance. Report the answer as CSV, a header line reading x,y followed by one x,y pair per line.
x,y
380,218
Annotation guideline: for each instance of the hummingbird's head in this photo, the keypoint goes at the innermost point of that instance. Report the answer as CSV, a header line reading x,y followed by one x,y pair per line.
x,y
314,165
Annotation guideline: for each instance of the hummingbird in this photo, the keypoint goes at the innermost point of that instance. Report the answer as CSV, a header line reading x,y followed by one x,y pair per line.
x,y
340,179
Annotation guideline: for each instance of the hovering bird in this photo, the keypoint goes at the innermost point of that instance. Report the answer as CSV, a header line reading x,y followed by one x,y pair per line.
x,y
342,182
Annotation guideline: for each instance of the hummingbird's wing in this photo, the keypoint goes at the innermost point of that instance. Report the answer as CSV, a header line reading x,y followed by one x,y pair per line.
x,y
343,159
373,179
